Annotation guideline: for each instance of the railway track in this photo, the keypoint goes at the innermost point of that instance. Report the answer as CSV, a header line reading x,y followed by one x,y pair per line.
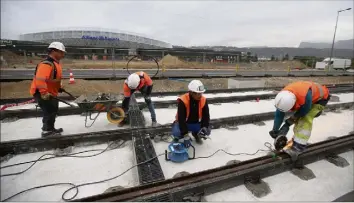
x,y
29,113
174,93
218,179
42,144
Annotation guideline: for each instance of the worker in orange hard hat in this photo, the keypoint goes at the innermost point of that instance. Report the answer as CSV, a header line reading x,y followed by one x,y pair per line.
x,y
46,85
138,81
192,115
307,100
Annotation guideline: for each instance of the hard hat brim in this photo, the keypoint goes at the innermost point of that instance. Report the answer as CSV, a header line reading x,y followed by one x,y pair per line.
x,y
199,91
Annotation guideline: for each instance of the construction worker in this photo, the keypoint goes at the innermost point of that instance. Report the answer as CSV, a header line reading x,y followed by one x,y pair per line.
x,y
46,84
138,81
192,115
307,100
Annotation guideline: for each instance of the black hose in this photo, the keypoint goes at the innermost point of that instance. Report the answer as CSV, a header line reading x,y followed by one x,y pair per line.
x,y
56,156
76,187
157,64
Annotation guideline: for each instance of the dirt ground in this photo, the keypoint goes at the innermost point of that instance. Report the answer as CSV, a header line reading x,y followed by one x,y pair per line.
x,y
21,89
11,60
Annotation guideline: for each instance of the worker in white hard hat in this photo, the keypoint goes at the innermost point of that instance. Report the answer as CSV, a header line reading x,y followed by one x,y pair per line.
x,y
192,115
307,100
138,81
46,85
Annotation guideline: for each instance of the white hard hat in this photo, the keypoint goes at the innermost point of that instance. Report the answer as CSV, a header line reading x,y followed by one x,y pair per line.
x,y
57,45
285,100
133,81
196,86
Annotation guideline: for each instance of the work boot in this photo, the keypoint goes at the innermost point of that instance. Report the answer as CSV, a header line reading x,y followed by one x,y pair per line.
x,y
46,133
197,138
154,123
293,153
293,149
123,123
59,130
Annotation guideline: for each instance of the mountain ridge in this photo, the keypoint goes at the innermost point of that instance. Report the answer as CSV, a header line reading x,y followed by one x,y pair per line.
x,y
340,44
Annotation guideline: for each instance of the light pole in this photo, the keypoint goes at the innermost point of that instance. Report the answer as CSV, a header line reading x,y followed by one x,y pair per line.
x,y
334,36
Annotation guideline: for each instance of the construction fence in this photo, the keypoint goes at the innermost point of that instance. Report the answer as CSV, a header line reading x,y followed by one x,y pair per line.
x,y
111,58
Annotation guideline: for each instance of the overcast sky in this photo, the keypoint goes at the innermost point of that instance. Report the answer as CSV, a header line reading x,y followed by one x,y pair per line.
x,y
188,23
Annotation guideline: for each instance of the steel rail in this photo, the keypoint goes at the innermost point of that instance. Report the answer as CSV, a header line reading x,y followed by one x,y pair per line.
x,y
174,93
42,144
218,179
30,113
197,74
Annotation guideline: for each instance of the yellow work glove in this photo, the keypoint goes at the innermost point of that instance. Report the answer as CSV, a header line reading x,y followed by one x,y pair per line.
x,y
46,96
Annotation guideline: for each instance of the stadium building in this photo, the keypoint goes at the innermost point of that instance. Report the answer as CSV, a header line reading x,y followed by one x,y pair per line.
x,y
98,44
95,38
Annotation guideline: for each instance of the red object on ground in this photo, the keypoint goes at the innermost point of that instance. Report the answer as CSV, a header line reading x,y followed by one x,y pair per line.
x,y
16,104
257,99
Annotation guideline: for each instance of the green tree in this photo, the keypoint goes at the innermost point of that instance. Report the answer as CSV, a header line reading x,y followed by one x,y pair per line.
x,y
272,58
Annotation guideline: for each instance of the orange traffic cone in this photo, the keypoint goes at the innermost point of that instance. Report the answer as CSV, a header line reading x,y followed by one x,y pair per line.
x,y
71,80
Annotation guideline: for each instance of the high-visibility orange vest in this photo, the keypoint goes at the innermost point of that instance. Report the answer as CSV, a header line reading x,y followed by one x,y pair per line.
x,y
186,100
301,88
47,78
144,80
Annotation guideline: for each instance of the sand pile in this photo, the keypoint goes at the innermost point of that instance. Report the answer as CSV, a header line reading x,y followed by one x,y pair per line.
x,y
9,59
172,61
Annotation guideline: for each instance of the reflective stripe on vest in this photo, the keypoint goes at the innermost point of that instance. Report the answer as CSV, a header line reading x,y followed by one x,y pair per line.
x,y
53,73
319,87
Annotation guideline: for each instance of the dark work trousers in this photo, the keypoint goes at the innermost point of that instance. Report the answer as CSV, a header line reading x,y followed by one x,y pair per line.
x,y
148,102
50,110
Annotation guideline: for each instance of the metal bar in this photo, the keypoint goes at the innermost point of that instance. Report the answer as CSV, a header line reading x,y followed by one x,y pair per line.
x,y
243,74
144,150
349,197
174,93
334,37
42,144
30,113
225,177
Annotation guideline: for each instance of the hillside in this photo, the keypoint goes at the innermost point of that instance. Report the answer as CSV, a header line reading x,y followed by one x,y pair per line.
x,y
279,51
341,44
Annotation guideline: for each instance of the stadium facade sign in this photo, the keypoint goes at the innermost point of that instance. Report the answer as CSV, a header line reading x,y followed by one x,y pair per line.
x,y
99,38
5,42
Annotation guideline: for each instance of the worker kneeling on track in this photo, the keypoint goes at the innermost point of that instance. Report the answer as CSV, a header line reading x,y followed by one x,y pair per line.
x,y
138,81
307,100
46,85
192,115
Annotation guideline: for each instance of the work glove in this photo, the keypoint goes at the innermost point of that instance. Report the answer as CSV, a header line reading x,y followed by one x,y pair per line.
x,y
204,131
290,121
187,141
284,129
148,91
274,133
46,96
323,102
319,113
